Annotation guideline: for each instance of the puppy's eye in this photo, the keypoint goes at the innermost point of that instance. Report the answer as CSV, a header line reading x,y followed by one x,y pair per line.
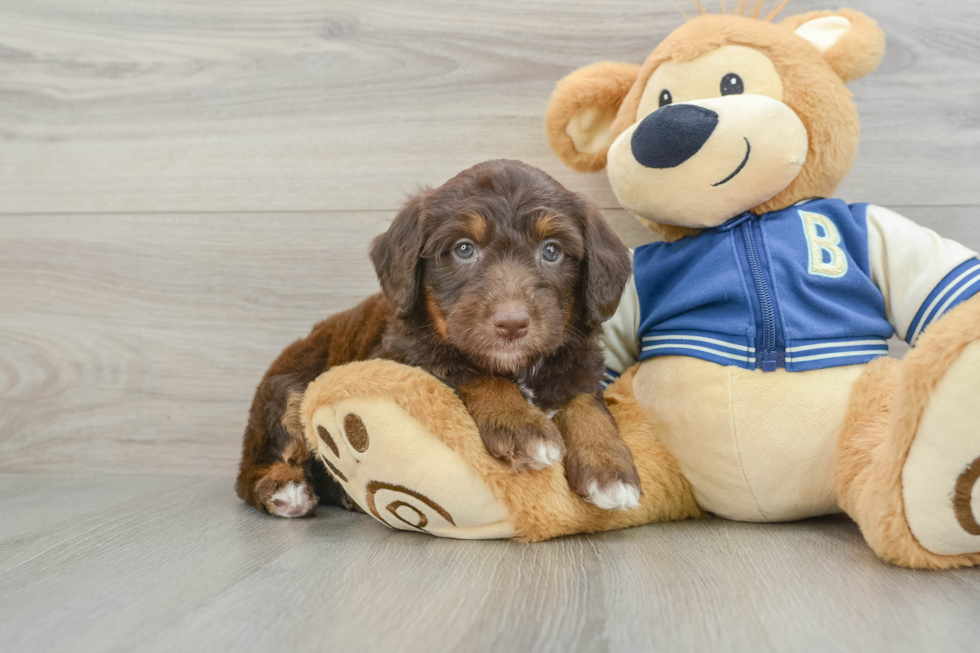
x,y
551,252
731,84
464,249
666,98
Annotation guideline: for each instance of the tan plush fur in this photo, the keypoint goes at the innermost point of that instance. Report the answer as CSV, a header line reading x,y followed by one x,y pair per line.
x,y
888,401
601,86
667,232
865,428
882,421
856,55
540,503
813,88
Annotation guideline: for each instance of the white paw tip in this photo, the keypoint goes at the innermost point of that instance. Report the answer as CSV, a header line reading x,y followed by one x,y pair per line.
x,y
292,501
615,496
545,454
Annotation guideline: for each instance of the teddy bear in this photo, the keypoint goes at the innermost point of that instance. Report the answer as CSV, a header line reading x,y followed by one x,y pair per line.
x,y
747,361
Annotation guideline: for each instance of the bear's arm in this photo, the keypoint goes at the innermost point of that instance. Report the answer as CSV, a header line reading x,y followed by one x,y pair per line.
x,y
620,335
920,274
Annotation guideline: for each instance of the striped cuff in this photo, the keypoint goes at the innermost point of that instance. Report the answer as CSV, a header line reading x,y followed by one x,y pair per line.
x,y
608,378
958,286
717,348
805,355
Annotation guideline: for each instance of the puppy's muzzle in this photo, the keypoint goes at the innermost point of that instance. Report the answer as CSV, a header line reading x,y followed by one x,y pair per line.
x,y
511,321
671,135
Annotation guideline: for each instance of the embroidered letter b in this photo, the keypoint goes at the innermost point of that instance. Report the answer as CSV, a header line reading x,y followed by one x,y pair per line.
x,y
827,259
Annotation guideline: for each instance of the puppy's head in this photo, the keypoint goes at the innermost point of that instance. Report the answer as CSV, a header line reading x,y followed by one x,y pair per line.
x,y
502,263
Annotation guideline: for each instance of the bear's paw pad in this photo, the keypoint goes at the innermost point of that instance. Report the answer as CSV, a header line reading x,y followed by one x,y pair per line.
x,y
402,475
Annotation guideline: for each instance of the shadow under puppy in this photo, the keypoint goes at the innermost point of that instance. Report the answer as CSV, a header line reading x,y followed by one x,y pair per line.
x,y
497,283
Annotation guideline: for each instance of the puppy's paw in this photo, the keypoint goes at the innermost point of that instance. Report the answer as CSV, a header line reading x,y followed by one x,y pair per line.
x,y
533,444
544,453
605,477
615,495
286,498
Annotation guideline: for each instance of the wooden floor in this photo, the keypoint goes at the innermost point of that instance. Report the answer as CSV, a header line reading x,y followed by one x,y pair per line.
x,y
157,563
185,187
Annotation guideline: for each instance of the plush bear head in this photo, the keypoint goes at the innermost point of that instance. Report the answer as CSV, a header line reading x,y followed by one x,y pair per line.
x,y
729,114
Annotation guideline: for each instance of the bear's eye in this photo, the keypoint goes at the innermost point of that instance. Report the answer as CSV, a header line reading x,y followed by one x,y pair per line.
x,y
731,84
665,98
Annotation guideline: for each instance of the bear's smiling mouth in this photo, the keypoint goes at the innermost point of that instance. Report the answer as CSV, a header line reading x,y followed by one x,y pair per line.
x,y
748,151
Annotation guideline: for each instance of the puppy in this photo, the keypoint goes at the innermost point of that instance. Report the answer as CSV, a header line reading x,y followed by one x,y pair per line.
x,y
497,283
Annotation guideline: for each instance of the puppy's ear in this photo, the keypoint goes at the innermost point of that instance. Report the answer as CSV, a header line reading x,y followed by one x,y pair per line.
x,y
581,112
397,257
606,268
851,42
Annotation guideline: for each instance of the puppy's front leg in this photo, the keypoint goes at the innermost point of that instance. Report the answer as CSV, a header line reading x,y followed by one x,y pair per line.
x,y
598,464
512,429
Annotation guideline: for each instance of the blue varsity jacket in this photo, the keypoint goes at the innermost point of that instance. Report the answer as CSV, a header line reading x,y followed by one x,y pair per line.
x,y
819,284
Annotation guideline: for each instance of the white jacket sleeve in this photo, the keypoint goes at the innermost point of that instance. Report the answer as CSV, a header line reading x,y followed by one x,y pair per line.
x,y
620,337
920,274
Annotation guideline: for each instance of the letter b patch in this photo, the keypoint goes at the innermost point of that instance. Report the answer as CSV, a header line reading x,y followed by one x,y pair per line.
x,y
827,259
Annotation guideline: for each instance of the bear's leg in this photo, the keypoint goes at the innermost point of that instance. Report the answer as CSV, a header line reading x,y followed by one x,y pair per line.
x,y
404,448
908,458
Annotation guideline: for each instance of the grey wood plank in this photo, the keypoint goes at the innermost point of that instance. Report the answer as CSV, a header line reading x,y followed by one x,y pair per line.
x,y
254,106
134,343
188,568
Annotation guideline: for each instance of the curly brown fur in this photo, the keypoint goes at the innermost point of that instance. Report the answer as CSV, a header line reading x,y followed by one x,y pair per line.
x,y
273,450
506,325
446,306
512,429
506,214
596,452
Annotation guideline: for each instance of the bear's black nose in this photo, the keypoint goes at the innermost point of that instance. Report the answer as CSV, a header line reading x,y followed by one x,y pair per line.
x,y
672,134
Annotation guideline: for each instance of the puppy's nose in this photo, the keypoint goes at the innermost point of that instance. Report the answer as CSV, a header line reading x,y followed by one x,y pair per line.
x,y
511,321
672,134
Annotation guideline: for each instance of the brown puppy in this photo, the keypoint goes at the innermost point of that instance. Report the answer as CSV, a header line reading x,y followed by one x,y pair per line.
x,y
496,283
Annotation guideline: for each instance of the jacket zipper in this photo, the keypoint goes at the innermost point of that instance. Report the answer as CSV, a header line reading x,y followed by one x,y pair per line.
x,y
769,361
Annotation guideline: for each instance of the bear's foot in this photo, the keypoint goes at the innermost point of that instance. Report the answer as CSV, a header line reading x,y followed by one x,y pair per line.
x,y
363,423
940,484
909,454
406,451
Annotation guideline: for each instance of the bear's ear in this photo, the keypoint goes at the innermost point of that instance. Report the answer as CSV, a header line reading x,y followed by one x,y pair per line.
x,y
851,43
581,112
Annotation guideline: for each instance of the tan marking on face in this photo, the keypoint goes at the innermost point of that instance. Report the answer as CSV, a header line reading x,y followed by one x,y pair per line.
x,y
476,225
546,225
438,320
